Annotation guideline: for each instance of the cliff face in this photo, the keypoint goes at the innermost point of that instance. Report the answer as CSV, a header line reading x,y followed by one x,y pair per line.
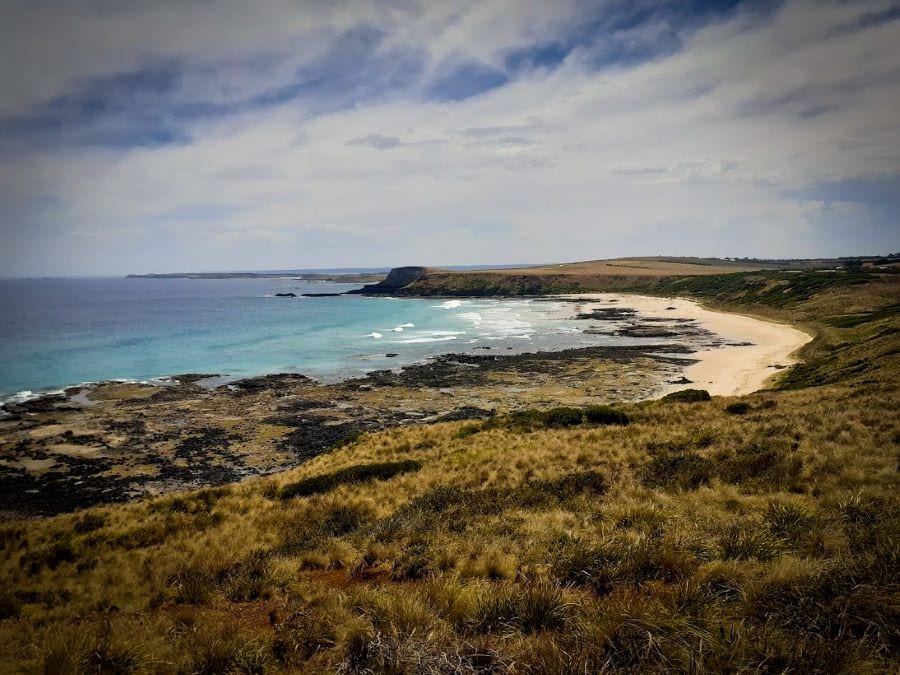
x,y
396,280
421,281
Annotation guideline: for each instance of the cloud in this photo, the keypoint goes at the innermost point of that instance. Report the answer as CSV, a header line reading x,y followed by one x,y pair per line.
x,y
377,141
508,120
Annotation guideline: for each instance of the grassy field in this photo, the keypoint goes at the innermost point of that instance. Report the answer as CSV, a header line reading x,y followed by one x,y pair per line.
x,y
752,534
696,276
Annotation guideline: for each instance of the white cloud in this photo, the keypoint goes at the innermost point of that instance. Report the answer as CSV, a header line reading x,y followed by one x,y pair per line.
x,y
699,152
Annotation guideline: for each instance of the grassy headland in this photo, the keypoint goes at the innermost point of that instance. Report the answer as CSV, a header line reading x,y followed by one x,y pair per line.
x,y
751,534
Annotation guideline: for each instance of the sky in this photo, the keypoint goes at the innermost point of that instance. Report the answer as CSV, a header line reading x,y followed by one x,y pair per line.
x,y
162,135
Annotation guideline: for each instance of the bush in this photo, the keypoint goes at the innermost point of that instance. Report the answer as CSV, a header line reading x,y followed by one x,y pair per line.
x,y
360,473
687,396
89,522
468,430
739,408
320,521
683,471
760,465
51,557
604,414
563,417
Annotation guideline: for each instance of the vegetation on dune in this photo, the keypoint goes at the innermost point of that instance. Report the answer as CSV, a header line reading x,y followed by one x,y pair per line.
x,y
752,534
687,396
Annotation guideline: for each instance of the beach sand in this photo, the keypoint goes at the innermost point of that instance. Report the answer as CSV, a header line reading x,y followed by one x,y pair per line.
x,y
729,370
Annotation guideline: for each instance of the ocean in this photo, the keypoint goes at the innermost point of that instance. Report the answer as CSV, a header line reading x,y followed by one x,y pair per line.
x,y
56,333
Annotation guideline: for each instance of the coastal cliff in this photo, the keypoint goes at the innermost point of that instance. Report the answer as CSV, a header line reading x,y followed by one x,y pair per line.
x,y
396,282
725,281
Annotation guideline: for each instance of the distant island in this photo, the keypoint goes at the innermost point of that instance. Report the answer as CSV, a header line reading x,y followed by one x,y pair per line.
x,y
343,278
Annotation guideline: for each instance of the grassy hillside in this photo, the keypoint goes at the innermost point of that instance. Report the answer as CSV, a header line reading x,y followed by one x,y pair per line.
x,y
753,534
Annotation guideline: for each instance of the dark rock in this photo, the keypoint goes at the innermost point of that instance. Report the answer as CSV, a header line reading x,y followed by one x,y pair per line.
x,y
466,413
646,332
608,314
397,279
312,437
391,355
42,404
285,295
277,381
304,405
193,378
451,370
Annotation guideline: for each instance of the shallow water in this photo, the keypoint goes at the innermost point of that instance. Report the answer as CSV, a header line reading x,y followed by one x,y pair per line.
x,y
59,332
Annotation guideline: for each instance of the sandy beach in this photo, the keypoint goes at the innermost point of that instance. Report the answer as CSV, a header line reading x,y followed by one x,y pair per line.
x,y
729,370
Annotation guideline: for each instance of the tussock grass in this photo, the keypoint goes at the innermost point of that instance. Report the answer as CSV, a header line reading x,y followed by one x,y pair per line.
x,y
360,473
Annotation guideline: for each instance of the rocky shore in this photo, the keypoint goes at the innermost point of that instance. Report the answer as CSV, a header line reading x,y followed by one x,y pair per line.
x,y
115,441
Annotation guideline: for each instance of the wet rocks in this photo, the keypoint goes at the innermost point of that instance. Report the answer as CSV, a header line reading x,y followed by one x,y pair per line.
x,y
607,314
466,413
277,381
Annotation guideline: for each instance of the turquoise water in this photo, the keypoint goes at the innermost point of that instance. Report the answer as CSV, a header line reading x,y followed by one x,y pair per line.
x,y
60,332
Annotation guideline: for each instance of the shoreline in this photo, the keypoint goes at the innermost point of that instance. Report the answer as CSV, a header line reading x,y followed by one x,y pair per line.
x,y
62,452
733,369
726,370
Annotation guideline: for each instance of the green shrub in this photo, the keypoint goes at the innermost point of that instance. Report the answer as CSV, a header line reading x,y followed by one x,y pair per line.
x,y
687,396
360,473
563,417
89,522
683,471
760,465
604,414
320,521
574,484
50,557
738,408
468,430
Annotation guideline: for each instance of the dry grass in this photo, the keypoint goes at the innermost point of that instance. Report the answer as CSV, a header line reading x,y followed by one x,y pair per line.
x,y
734,535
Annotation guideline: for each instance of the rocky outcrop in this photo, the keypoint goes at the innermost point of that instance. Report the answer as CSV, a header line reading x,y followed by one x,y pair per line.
x,y
396,280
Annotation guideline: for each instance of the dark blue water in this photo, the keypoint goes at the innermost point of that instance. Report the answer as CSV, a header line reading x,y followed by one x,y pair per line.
x,y
59,332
